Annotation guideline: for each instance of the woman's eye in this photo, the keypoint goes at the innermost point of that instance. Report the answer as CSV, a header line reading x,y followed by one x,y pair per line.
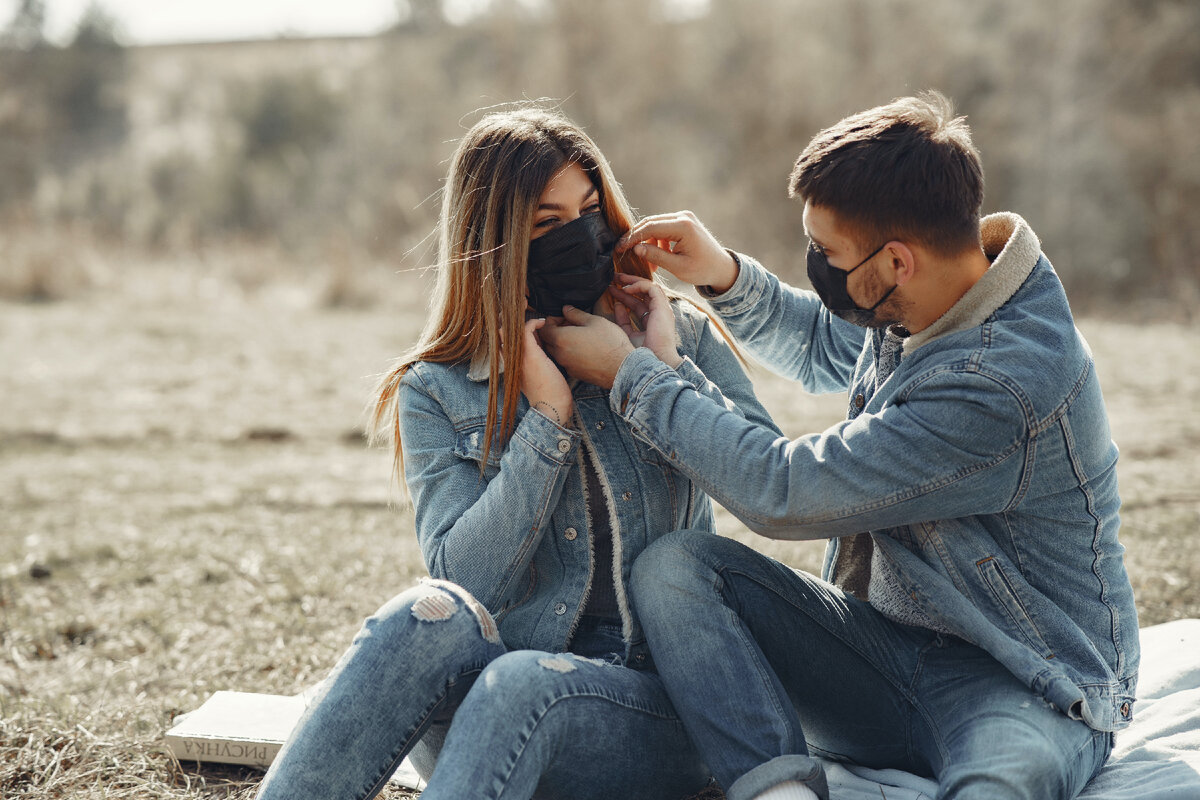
x,y
594,208
548,222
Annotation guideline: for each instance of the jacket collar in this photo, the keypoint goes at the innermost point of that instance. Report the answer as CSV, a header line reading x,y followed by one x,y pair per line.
x,y
1014,249
481,367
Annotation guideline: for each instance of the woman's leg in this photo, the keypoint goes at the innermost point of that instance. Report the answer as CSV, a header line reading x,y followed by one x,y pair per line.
x,y
563,726
411,663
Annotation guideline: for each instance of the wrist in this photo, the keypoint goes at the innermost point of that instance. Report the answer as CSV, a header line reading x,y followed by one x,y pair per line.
x,y
670,357
557,412
723,281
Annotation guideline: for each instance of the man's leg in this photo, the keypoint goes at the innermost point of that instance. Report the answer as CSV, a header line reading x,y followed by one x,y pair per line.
x,y
991,737
757,657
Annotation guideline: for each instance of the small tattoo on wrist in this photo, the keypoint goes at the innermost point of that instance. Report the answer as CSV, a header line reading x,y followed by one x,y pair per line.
x,y
548,409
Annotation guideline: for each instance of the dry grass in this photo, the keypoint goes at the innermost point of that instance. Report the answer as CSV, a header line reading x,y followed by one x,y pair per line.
x,y
188,506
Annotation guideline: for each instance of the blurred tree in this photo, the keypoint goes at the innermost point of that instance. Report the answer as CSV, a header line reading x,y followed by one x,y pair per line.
x,y
59,106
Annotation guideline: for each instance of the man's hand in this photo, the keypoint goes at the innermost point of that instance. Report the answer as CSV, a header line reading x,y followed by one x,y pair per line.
x,y
680,244
646,301
590,348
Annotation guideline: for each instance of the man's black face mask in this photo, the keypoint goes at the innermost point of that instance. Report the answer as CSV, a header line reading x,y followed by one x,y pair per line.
x,y
829,282
570,265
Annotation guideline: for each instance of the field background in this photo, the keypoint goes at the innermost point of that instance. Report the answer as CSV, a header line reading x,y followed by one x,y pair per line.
x,y
188,506
208,251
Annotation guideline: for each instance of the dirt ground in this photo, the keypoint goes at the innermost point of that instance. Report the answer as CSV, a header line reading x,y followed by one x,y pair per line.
x,y
187,505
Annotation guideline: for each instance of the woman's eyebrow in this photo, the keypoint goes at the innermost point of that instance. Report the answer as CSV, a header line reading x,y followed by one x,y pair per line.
x,y
558,206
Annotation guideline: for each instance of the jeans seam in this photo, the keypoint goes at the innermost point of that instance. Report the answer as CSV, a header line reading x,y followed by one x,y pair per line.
x,y
406,743
762,668
523,739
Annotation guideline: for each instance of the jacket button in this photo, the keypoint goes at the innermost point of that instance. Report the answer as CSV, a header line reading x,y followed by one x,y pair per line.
x,y
627,495
859,401
1125,710
600,425
569,534
564,445
560,608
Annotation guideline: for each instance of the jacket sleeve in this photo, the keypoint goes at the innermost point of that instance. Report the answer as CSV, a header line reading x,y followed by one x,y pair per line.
x,y
950,447
789,330
480,529
716,373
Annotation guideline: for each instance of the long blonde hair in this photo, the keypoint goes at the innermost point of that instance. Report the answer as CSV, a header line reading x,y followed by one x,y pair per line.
x,y
496,177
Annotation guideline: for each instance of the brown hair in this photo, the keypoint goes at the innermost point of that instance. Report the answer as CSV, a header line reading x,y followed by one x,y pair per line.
x,y
495,179
905,169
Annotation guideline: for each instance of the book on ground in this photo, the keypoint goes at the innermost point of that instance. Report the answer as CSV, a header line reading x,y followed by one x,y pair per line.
x,y
248,728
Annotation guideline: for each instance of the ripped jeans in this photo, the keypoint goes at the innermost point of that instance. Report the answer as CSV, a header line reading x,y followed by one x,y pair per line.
x,y
428,674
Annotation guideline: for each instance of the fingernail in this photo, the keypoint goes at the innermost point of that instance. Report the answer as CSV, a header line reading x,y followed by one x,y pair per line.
x,y
642,249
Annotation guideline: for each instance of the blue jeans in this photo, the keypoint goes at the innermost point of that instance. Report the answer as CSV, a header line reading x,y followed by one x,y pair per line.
x,y
428,674
768,666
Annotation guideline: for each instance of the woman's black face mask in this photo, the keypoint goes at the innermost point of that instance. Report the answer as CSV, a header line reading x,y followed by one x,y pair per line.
x,y
830,285
570,265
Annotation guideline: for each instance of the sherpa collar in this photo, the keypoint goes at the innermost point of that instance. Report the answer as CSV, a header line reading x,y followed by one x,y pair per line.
x,y
1014,249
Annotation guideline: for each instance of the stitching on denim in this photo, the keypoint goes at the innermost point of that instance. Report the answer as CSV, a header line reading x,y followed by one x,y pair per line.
x,y
1097,531
419,728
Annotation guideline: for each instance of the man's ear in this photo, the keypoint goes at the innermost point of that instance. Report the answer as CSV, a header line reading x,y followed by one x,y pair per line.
x,y
901,260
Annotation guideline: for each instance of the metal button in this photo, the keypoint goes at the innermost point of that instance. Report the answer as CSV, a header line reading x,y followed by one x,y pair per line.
x,y
859,401
560,608
627,496
1124,709
600,425
564,445
569,534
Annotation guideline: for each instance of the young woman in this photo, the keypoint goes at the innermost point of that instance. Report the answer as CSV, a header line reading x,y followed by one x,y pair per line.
x,y
519,669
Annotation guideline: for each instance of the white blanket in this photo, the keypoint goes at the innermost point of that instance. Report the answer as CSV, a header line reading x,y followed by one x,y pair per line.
x,y
1156,758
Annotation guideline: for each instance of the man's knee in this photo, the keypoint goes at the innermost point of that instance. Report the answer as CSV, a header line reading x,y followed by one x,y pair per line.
x,y
1024,761
673,566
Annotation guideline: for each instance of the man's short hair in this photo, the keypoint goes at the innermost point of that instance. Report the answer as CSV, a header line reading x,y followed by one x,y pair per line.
x,y
907,169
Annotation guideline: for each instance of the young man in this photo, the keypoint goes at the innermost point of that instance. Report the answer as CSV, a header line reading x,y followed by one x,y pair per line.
x,y
975,622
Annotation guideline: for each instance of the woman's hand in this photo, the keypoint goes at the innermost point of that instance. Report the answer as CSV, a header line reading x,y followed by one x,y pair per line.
x,y
644,300
542,384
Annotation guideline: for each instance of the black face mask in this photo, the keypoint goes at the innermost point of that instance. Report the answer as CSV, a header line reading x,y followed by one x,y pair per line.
x,y
830,284
570,265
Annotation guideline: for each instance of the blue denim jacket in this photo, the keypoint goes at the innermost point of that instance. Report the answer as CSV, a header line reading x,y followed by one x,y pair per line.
x,y
517,536
982,467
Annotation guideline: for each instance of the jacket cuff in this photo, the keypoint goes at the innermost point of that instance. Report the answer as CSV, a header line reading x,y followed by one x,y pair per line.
x,y
747,289
639,369
551,440
690,372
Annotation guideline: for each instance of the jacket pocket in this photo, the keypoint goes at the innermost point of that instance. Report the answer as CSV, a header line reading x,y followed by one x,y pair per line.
x,y
1007,599
513,602
468,444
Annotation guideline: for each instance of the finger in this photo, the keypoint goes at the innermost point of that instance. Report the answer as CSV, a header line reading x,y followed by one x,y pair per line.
x,y
620,310
658,256
660,226
629,302
576,316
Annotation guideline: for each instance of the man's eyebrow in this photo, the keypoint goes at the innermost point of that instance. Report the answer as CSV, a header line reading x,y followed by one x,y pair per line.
x,y
558,206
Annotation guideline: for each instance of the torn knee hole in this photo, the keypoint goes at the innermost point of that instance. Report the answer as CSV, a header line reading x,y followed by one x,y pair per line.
x,y
434,607
487,625
556,664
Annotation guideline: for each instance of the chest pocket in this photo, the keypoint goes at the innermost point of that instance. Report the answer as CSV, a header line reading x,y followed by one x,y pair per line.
x,y
468,445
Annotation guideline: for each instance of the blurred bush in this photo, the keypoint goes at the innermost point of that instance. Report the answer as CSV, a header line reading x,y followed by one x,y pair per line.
x,y
333,150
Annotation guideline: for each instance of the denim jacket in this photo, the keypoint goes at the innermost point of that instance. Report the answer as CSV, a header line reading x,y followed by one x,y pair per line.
x,y
982,467
517,535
